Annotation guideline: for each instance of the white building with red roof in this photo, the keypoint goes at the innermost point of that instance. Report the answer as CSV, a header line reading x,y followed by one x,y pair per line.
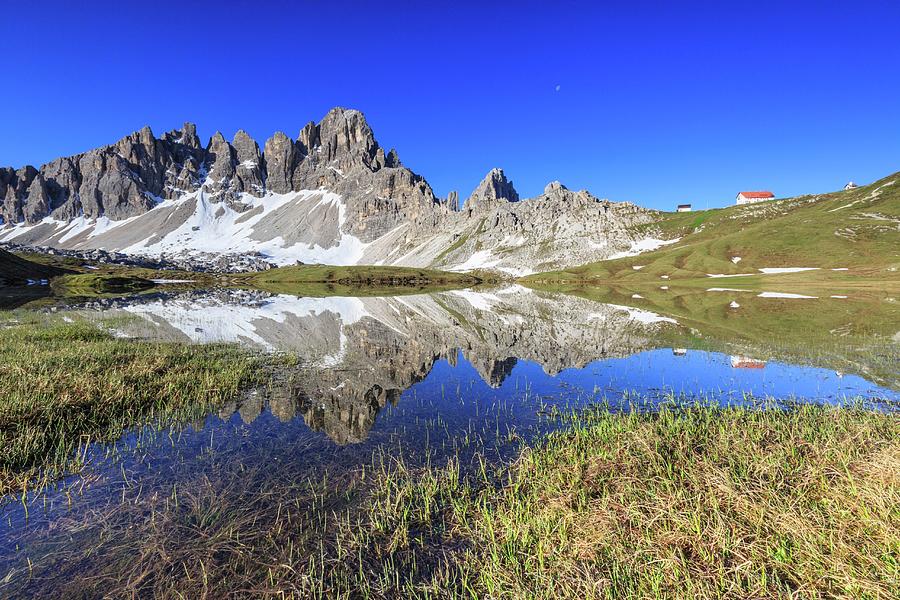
x,y
753,197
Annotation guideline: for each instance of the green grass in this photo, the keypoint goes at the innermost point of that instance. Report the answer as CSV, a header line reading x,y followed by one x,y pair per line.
x,y
699,503
64,385
94,284
857,229
17,270
325,280
683,503
462,239
690,502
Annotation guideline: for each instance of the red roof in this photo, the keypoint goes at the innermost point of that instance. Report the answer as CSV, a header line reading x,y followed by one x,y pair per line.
x,y
757,194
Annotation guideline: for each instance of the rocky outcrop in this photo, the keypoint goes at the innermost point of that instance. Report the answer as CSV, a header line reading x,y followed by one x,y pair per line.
x,y
16,185
281,160
249,176
494,186
118,181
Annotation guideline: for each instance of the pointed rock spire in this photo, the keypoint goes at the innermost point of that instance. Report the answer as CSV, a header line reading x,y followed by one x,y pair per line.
x,y
308,138
250,165
38,200
281,155
494,186
189,135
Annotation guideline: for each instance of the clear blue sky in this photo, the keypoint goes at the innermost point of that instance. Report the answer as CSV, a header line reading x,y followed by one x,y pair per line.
x,y
657,103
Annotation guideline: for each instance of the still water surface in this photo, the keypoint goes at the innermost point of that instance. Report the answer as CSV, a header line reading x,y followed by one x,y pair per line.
x,y
462,374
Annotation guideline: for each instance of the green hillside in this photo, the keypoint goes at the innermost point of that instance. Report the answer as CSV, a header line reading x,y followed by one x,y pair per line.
x,y
857,231
326,280
15,270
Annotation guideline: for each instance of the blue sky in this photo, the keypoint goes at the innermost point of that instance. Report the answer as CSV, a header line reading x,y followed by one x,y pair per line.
x,y
657,103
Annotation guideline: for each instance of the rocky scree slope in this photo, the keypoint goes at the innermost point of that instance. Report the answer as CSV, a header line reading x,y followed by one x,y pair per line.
x,y
332,195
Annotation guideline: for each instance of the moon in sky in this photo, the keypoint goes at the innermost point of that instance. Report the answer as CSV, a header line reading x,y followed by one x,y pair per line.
x,y
557,88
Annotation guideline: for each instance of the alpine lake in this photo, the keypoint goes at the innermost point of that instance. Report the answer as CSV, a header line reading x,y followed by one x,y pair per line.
x,y
296,458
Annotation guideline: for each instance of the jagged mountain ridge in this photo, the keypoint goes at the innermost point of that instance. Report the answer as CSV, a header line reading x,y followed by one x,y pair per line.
x,y
332,195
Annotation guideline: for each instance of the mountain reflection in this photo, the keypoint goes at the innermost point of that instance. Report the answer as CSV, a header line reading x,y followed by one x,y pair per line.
x,y
359,354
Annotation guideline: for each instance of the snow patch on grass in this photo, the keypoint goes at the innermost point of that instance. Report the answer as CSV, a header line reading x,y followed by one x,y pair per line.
x,y
784,295
775,270
641,246
643,316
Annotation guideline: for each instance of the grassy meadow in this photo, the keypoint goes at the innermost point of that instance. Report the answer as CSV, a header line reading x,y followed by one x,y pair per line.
x,y
857,230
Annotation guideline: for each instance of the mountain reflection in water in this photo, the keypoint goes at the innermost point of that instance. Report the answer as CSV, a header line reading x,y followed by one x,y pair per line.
x,y
359,355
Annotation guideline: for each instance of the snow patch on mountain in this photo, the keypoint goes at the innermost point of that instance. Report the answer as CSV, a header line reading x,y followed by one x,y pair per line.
x,y
216,227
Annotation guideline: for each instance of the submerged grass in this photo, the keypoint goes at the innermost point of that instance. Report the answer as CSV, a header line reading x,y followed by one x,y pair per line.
x,y
66,384
680,502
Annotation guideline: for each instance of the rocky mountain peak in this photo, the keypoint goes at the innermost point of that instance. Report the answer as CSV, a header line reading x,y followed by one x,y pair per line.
x,y
352,201
553,186
216,140
189,136
342,136
494,186
129,177
186,136
145,135
246,147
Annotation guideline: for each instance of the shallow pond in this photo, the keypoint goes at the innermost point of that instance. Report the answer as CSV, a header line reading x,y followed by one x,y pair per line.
x,y
467,375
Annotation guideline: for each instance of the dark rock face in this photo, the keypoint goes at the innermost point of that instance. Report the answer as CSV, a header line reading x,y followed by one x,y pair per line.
x,y
117,181
250,169
281,159
17,184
